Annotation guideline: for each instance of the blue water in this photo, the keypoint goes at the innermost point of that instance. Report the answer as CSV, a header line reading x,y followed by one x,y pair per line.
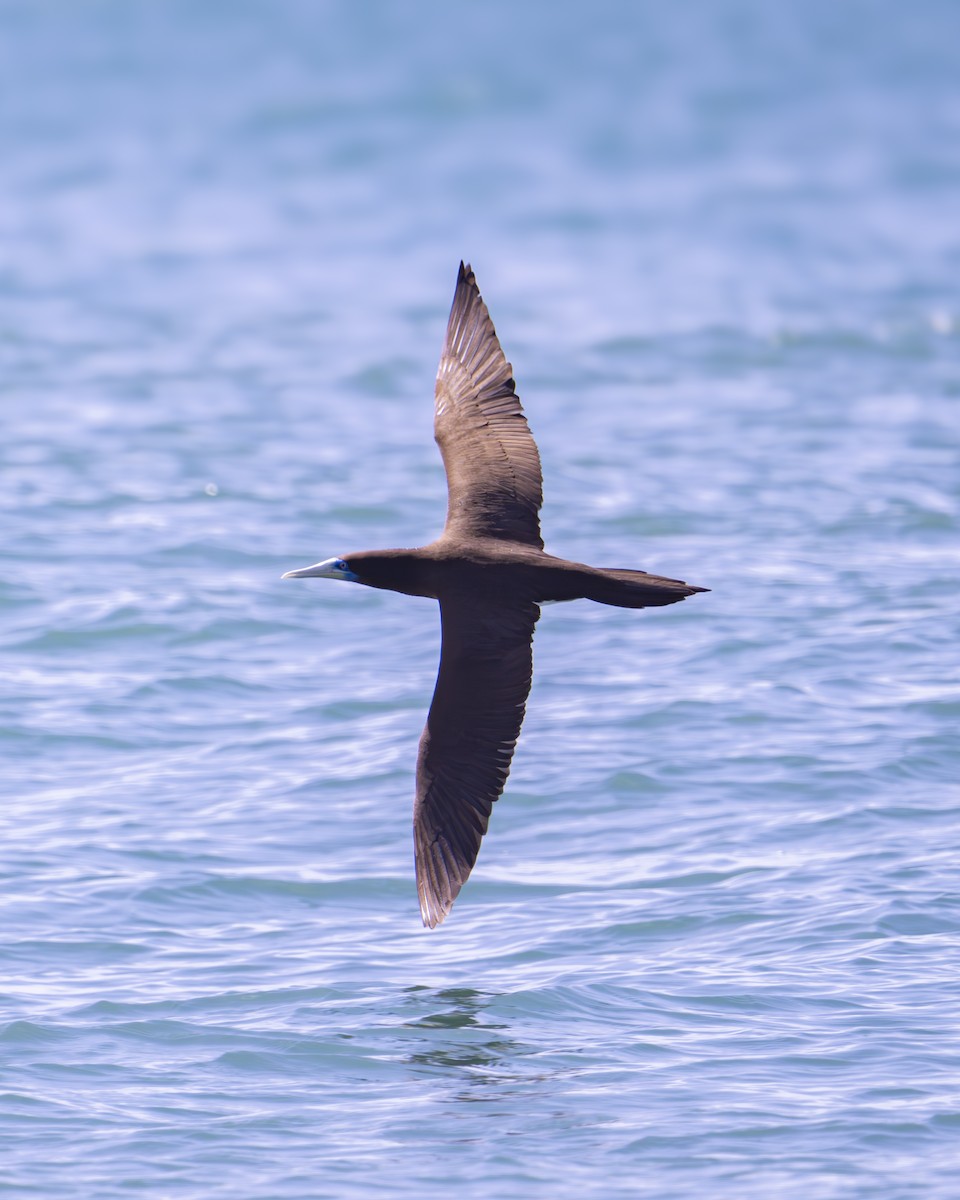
x,y
712,944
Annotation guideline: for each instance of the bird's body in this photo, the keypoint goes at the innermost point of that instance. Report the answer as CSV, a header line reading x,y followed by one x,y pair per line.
x,y
504,571
490,574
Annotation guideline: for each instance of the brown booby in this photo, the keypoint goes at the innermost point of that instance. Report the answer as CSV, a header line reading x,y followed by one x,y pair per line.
x,y
490,574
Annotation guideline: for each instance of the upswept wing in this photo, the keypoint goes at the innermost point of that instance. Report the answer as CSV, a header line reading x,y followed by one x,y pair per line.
x,y
486,663
494,482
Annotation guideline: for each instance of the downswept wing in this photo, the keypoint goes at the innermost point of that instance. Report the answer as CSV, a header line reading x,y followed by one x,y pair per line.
x,y
494,482
486,663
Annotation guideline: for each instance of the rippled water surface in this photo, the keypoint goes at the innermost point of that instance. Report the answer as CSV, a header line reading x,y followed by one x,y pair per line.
x,y
711,944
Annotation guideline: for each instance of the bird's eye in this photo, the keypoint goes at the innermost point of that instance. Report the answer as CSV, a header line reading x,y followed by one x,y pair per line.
x,y
341,565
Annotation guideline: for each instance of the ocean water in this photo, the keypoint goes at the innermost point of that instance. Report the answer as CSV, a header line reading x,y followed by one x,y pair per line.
x,y
712,943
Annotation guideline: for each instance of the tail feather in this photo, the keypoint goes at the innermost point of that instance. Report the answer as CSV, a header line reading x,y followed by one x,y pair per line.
x,y
636,589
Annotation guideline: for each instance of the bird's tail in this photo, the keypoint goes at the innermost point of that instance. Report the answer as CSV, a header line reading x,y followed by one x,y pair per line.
x,y
635,589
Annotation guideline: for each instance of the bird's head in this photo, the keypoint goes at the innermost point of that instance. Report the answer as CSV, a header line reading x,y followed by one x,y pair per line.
x,y
330,568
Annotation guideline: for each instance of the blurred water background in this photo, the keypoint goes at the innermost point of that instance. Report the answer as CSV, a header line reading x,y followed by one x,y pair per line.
x,y
711,945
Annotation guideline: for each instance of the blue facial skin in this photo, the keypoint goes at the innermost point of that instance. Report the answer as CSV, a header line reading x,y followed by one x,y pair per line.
x,y
341,566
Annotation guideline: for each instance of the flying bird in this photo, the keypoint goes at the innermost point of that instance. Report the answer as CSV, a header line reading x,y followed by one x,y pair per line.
x,y
490,574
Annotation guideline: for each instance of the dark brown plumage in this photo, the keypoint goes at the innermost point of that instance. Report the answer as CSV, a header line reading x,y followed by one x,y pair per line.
x,y
490,574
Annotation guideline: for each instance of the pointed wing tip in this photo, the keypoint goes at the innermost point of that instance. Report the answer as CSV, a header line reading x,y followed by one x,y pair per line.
x,y
439,876
433,910
431,919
